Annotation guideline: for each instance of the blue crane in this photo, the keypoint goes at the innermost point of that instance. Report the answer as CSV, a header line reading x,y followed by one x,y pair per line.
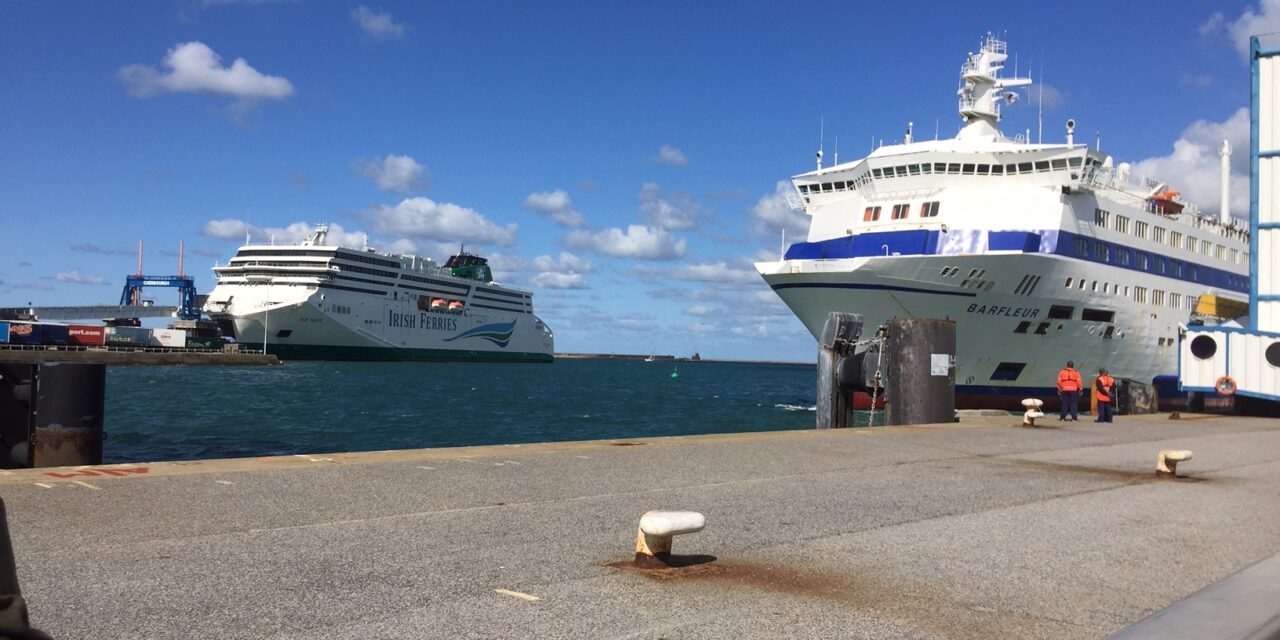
x,y
188,306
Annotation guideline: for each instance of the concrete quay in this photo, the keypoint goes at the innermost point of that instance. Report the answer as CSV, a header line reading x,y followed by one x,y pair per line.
x,y
974,530
135,358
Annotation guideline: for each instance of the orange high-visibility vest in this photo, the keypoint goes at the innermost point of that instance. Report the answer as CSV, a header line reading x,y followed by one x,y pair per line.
x,y
1068,380
1105,384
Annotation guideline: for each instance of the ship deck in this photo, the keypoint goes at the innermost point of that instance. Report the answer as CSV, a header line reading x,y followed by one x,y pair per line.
x,y
974,530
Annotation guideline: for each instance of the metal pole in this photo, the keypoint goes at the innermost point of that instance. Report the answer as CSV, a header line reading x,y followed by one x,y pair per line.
x,y
266,321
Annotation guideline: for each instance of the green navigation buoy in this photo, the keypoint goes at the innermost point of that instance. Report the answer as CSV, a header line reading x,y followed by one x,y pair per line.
x,y
675,373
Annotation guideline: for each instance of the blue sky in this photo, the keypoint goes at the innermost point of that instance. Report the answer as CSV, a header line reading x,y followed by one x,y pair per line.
x,y
622,160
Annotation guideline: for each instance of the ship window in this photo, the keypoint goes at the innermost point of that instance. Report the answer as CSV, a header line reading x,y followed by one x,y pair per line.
x,y
1140,294
284,333
1024,167
1008,371
1144,261
1060,163
1022,326
1011,169
1042,165
1080,246
1122,256
1109,332
804,188
1190,245
1140,229
967,169
984,169
1203,347
1157,297
1193,272
900,211
1101,217
1061,311
953,167
875,173
1093,286
973,272
997,169
902,171
1097,315
1082,283
1075,162
1157,234
1042,328
1161,265
826,187
929,210
1069,281
926,168
1273,354
1177,269
1175,239
913,169
1235,256
871,214
1220,252
1175,300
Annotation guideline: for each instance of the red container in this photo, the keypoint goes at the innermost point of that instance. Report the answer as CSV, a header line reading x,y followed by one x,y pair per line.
x,y
86,335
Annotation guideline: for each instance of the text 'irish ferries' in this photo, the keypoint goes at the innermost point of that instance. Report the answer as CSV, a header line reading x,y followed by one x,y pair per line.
x,y
421,321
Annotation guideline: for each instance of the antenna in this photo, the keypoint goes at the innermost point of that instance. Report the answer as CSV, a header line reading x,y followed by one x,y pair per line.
x,y
1097,142
139,258
822,122
1040,109
837,158
782,249
935,128
179,258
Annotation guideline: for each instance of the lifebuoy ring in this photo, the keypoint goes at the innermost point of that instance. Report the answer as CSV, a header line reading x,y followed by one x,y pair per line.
x,y
1225,386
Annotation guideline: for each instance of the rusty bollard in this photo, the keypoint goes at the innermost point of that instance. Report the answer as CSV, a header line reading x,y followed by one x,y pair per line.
x,y
653,540
1167,462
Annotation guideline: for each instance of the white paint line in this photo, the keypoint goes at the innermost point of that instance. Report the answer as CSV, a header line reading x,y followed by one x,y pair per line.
x,y
497,464
87,485
224,482
425,467
41,484
583,457
517,594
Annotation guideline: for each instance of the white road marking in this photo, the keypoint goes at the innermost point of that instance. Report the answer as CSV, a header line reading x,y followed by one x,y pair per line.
x,y
517,594
41,484
87,485
425,467
224,482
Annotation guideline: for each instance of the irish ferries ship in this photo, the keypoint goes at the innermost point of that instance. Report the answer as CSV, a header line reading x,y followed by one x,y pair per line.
x,y
315,301
1041,253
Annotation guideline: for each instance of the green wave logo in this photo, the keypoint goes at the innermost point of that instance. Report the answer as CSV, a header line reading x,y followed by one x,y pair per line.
x,y
497,333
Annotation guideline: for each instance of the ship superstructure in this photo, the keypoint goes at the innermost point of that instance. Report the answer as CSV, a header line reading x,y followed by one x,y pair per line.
x,y
1041,253
317,301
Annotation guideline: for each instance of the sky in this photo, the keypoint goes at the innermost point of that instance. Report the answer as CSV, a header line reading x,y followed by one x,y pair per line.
x,y
624,161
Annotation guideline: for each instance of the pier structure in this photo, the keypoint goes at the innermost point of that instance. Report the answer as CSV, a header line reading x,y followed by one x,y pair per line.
x,y
973,530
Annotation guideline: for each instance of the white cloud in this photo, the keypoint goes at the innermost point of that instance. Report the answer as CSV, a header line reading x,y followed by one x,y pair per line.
x,y
74,277
668,154
567,263
1048,95
1194,167
195,68
426,218
716,272
700,310
1266,21
1201,81
555,205
704,327
772,213
561,281
668,211
399,174
377,25
638,242
237,230
1213,25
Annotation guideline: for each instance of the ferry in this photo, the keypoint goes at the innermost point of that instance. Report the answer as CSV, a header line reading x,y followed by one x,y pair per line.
x,y
1040,252
323,302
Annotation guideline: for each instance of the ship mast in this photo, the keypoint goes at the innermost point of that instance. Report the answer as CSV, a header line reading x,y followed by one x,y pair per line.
x,y
982,89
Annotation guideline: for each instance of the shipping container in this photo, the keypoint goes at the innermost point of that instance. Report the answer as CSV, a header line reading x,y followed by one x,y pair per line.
x,y
174,338
86,335
204,342
4,332
25,333
54,334
127,337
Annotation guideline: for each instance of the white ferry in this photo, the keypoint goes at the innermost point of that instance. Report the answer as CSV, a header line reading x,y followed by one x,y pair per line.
x,y
1041,253
314,301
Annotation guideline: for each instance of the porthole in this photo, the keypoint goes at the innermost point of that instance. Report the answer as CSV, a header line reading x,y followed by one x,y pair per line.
x,y
1204,347
1273,354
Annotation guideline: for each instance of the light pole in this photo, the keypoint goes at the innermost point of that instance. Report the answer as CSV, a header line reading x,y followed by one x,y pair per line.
x,y
266,320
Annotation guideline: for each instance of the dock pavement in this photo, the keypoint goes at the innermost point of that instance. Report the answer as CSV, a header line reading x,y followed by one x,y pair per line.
x,y
974,530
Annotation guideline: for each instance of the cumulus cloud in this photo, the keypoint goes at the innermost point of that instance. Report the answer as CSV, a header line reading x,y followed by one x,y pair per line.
x,y
426,218
195,68
237,230
399,174
638,242
377,25
675,210
668,154
1265,21
561,281
555,205
567,271
1194,166
700,310
772,212
74,277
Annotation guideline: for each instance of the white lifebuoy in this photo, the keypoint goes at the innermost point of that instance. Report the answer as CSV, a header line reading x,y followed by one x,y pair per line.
x,y
1225,386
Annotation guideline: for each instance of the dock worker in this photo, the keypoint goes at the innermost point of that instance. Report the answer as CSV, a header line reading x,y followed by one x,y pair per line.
x,y
1103,385
1069,391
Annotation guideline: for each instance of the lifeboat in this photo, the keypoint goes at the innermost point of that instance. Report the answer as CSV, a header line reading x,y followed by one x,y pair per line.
x,y
455,305
438,304
1165,202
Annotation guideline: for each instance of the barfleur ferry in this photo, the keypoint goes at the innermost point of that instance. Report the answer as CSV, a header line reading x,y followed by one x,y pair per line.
x,y
317,301
1041,253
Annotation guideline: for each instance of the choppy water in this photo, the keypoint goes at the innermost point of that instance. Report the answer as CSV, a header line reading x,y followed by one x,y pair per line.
x,y
175,413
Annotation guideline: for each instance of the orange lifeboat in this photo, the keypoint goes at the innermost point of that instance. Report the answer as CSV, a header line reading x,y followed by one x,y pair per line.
x,y
438,304
455,305
1165,202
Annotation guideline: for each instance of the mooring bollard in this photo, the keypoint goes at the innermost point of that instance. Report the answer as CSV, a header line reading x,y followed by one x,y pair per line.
x,y
653,541
1167,462
1033,411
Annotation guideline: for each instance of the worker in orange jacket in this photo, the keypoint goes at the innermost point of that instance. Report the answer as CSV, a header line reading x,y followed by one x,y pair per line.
x,y
1069,391
1104,386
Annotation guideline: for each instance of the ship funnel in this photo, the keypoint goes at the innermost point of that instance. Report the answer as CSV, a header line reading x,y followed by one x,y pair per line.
x,y
1224,213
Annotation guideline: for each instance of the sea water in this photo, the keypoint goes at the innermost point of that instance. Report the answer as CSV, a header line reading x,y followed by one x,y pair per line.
x,y
183,413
